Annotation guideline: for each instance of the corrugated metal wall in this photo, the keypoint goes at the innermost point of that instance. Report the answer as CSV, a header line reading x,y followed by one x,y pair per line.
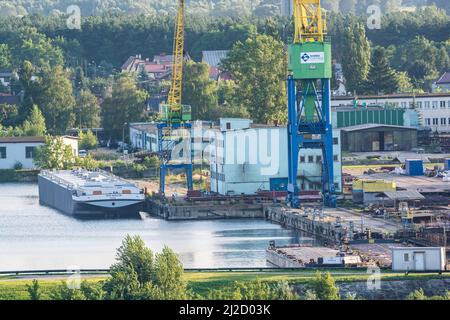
x,y
357,117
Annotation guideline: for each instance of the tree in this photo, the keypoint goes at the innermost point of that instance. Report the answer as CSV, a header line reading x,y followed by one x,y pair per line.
x,y
126,105
25,78
138,275
356,57
34,125
34,290
257,65
404,83
54,95
228,107
63,292
131,274
347,6
325,287
87,109
5,57
80,80
199,91
382,78
8,114
54,154
88,140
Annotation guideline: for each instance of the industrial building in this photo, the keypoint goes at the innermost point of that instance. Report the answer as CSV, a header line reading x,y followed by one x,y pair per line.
x,y
375,137
433,108
245,157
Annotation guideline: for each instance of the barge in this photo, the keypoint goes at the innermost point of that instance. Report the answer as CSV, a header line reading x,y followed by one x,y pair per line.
x,y
90,194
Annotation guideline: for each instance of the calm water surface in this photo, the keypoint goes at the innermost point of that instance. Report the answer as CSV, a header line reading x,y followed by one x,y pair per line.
x,y
37,237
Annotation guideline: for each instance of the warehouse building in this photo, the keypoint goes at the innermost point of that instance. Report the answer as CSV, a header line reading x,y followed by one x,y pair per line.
x,y
433,108
376,137
245,157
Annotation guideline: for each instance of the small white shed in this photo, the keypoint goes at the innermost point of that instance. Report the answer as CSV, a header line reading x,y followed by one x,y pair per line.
x,y
418,258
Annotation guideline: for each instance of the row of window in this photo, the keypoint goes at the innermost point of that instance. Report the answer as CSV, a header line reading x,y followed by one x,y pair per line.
x,y
424,104
437,121
318,159
29,152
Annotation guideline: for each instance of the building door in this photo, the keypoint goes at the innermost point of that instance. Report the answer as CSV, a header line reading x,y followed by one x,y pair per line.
x,y
419,261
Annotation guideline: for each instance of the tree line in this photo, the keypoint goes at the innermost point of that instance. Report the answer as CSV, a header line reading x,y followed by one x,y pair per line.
x,y
68,74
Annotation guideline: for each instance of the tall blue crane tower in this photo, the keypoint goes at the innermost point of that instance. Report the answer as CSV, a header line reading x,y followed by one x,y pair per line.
x,y
308,86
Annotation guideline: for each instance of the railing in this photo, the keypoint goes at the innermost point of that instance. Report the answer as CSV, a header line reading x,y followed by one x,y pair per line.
x,y
361,270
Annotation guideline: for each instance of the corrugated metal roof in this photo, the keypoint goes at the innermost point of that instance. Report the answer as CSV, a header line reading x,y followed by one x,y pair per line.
x,y
403,195
373,126
213,58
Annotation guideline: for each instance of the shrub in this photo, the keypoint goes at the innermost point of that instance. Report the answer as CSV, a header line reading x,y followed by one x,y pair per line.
x,y
18,165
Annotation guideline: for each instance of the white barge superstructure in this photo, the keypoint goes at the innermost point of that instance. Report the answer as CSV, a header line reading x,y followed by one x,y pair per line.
x,y
89,193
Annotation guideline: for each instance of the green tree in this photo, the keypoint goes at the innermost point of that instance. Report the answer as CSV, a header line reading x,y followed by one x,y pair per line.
x,y
34,125
5,57
8,114
132,273
199,91
125,105
404,84
34,290
228,107
356,57
382,78
168,278
54,154
325,287
257,65
80,80
26,83
54,95
87,110
88,140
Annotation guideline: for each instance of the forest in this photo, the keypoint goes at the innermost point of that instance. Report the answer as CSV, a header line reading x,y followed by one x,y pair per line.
x,y
228,8
73,67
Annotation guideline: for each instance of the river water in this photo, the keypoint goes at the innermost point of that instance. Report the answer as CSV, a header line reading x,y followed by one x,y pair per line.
x,y
36,237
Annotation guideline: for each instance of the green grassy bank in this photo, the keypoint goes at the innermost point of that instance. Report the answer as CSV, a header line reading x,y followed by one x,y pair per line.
x,y
201,282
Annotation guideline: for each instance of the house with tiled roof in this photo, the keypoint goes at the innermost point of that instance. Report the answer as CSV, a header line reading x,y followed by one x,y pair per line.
x,y
213,58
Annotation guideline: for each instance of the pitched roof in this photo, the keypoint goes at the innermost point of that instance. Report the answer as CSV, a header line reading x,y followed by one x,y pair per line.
x,y
373,126
22,139
445,79
6,98
213,58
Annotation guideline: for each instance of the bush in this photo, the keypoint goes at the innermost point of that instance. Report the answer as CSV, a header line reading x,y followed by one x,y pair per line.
x,y
18,165
88,140
151,162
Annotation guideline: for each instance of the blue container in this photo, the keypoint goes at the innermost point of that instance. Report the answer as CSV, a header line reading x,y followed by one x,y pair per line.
x,y
447,164
414,167
278,184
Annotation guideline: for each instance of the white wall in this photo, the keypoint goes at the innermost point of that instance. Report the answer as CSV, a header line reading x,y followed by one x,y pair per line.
x,y
434,111
15,152
246,163
409,258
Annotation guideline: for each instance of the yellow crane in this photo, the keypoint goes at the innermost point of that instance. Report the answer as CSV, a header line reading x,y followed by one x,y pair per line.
x,y
174,111
310,24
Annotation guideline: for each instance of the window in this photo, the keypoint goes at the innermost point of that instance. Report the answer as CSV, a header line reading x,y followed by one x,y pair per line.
x,y
310,159
435,104
318,159
404,105
435,121
427,104
442,104
419,105
428,121
302,159
448,104
29,152
2,152
335,158
228,125
406,257
335,140
443,121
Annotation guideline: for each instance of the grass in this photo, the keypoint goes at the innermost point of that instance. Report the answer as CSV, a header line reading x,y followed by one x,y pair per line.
x,y
202,282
